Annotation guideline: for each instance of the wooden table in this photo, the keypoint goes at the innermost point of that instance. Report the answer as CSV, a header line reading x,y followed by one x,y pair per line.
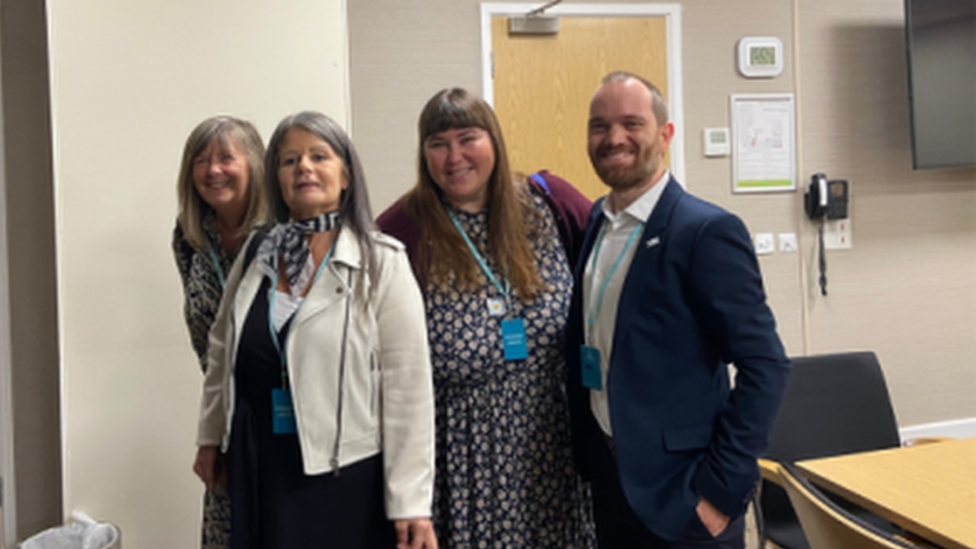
x,y
929,489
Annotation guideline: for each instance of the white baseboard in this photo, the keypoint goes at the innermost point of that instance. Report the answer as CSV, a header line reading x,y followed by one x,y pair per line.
x,y
959,428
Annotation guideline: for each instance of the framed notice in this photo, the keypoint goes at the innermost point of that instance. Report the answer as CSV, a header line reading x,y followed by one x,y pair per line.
x,y
763,143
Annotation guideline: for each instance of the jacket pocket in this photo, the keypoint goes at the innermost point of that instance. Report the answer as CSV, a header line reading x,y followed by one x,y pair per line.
x,y
688,438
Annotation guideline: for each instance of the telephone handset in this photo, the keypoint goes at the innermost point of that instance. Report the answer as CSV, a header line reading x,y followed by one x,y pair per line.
x,y
826,199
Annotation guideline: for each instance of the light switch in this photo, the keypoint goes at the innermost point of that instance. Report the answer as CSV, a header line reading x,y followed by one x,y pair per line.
x,y
764,243
787,242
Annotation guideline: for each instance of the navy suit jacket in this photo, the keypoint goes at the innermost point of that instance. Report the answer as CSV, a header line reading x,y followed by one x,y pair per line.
x,y
691,303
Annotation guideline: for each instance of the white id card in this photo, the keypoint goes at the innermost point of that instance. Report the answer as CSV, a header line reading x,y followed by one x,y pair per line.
x,y
496,306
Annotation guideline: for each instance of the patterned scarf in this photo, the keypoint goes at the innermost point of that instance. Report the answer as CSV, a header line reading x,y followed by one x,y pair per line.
x,y
287,240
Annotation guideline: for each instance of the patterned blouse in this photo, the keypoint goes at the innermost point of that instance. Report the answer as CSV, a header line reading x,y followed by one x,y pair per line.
x,y
201,284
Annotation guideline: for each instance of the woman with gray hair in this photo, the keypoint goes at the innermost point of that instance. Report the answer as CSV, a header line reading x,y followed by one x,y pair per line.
x,y
221,195
319,378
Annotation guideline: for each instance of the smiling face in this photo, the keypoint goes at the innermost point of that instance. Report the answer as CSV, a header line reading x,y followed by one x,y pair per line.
x,y
461,161
625,142
220,175
311,174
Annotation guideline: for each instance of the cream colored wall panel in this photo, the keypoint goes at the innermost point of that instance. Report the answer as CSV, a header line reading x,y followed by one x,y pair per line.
x,y
401,54
906,288
129,82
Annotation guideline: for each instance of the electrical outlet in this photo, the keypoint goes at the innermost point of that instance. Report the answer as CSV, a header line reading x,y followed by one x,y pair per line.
x,y
787,242
837,234
764,243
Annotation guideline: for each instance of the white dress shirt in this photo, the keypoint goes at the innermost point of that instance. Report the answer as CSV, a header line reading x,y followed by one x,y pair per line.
x,y
615,235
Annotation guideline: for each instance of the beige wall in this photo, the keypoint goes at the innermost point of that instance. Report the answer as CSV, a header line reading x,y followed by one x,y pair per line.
x,y
905,290
130,80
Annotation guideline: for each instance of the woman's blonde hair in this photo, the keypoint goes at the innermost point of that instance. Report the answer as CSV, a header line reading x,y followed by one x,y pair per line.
x,y
226,131
512,218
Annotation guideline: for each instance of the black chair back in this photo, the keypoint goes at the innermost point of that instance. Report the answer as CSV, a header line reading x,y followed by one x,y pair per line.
x,y
835,404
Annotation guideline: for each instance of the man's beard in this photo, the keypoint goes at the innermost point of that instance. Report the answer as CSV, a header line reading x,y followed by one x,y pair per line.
x,y
627,177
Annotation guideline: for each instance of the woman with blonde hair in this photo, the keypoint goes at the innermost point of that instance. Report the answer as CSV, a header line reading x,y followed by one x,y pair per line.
x,y
485,245
221,197
319,377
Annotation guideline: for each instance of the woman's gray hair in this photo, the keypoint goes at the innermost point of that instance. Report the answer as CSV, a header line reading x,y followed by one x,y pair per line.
x,y
354,210
226,131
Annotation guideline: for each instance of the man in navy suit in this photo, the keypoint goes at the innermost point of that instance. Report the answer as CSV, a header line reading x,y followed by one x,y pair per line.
x,y
668,293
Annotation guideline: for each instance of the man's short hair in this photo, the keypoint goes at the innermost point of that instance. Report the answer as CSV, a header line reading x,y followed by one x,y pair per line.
x,y
658,105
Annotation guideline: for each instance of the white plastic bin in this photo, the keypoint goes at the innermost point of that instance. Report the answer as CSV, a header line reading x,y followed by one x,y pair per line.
x,y
81,533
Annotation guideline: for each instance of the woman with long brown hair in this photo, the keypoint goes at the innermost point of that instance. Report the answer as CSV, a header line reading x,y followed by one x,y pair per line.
x,y
487,252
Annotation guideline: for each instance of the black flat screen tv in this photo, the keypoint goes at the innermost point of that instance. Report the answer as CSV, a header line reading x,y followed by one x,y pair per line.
x,y
941,44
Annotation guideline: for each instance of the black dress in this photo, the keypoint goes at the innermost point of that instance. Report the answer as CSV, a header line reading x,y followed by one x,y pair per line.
x,y
202,291
275,505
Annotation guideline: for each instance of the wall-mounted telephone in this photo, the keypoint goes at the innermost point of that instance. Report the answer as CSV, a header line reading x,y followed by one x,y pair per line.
x,y
826,199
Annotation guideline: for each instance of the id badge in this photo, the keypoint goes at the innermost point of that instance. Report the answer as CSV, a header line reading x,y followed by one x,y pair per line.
x,y
496,306
282,413
590,364
513,337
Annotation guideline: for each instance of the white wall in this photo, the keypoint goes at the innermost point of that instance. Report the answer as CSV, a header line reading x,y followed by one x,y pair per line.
x,y
130,79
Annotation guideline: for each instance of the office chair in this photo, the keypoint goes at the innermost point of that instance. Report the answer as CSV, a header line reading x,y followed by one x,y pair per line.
x,y
835,404
829,526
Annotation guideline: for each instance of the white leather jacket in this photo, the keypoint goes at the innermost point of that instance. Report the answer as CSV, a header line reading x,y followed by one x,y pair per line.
x,y
385,402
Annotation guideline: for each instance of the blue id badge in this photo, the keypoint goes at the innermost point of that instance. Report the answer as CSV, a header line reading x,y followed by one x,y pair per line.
x,y
513,337
590,364
282,413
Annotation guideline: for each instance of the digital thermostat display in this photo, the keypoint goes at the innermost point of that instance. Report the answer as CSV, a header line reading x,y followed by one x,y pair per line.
x,y
760,57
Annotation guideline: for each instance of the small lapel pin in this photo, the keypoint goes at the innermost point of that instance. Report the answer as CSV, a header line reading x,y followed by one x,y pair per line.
x,y
651,242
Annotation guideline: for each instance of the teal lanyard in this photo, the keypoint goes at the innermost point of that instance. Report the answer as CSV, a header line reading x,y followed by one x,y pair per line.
x,y
595,308
481,260
271,302
220,272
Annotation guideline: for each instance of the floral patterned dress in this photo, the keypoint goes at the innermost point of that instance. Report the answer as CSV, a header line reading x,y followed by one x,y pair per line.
x,y
505,476
202,291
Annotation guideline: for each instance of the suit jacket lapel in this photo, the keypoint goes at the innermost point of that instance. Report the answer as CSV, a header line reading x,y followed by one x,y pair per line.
x,y
650,245
661,214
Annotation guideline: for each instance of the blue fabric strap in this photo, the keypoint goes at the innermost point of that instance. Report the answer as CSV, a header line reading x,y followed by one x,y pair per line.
x,y
216,264
271,305
481,262
542,182
597,302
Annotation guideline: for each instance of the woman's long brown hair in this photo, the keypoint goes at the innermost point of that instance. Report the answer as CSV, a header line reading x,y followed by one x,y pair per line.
x,y
512,218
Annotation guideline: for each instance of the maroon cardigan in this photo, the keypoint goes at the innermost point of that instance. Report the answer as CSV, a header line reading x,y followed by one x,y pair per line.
x,y
570,209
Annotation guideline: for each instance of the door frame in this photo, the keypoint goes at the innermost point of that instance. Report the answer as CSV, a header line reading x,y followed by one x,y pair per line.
x,y
672,16
8,494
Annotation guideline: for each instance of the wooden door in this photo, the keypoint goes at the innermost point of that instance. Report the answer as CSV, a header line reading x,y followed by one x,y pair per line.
x,y
543,85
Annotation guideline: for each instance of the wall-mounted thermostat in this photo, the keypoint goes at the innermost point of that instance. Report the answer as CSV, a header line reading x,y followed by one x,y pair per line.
x,y
717,142
760,56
